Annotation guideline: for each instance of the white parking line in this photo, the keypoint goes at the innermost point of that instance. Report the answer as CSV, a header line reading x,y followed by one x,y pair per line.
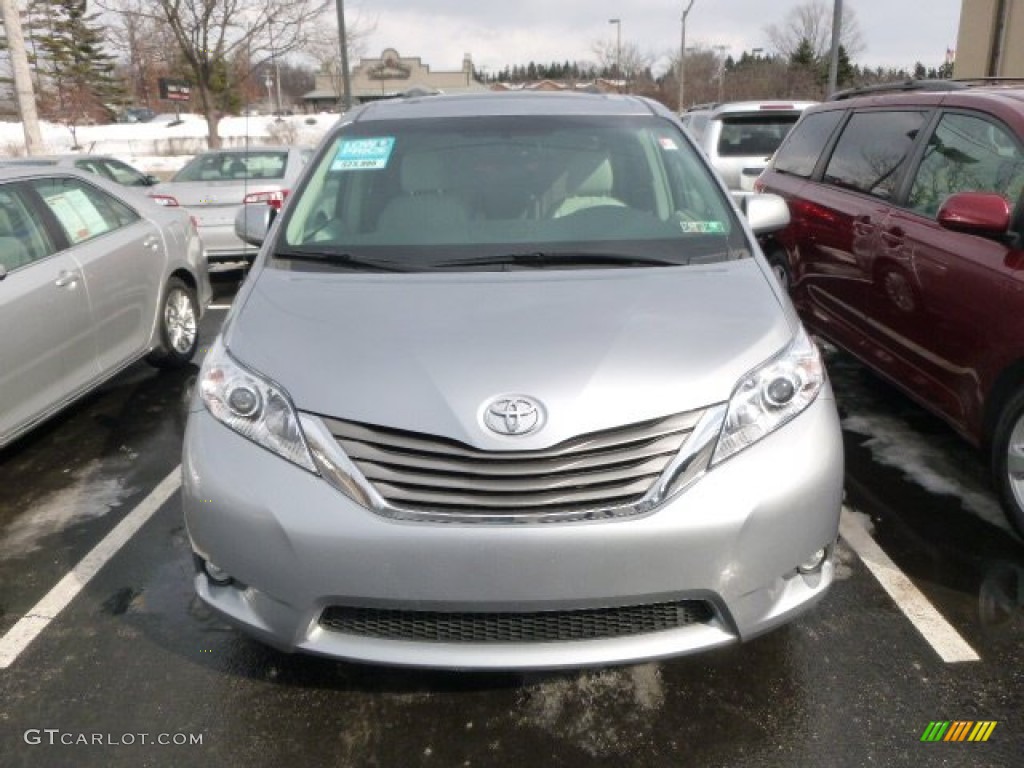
x,y
46,610
939,633
218,306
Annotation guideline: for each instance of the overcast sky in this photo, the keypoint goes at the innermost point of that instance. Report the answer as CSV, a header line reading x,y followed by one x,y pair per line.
x,y
896,33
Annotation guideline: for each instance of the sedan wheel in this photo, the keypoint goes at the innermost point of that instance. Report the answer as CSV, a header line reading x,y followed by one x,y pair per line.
x,y
180,320
179,326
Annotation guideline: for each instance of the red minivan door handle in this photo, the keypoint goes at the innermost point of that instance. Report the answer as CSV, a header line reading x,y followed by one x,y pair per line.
x,y
893,237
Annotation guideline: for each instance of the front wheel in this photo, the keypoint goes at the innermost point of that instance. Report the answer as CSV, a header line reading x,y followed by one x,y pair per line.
x,y
1008,460
179,326
779,263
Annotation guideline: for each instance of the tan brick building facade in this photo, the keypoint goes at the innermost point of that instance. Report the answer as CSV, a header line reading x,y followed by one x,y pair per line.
x,y
991,39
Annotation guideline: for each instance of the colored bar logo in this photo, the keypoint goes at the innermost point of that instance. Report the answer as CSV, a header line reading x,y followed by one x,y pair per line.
x,y
959,730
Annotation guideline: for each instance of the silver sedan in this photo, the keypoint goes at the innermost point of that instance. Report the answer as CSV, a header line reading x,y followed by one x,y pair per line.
x,y
214,184
93,276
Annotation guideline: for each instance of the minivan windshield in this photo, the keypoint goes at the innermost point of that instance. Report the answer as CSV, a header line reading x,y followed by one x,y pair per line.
x,y
501,192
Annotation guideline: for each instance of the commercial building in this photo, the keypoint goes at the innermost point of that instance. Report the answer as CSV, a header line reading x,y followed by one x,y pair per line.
x,y
988,44
387,76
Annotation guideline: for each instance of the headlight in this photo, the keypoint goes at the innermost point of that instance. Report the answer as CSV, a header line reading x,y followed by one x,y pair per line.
x,y
771,395
252,406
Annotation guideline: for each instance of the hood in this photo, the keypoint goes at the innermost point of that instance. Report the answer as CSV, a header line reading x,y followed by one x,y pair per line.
x,y
426,352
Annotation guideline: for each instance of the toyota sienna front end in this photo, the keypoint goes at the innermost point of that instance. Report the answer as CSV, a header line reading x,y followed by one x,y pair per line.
x,y
510,386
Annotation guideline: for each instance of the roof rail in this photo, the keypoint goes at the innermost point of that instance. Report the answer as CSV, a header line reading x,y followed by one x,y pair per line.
x,y
900,85
697,107
988,80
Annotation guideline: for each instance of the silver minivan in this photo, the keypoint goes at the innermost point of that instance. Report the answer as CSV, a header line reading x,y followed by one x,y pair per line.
x,y
511,386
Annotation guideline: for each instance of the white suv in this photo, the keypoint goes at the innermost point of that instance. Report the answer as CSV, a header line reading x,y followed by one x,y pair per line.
x,y
739,137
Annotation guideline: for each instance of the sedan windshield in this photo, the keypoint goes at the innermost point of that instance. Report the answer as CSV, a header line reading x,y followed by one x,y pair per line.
x,y
482,191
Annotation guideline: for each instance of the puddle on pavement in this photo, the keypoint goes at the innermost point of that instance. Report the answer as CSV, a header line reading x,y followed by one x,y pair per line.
x,y
601,712
95,490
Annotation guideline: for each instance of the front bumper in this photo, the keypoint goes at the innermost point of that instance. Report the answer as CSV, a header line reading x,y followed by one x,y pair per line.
x,y
295,546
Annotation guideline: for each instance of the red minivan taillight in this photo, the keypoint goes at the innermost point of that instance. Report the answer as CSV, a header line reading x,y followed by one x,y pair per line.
x,y
166,200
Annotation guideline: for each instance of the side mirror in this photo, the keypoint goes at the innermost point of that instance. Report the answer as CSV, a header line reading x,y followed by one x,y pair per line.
x,y
766,213
151,180
979,213
252,222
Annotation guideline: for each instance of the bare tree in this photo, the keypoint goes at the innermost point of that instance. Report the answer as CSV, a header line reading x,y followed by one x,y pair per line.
x,y
626,61
812,21
221,42
147,48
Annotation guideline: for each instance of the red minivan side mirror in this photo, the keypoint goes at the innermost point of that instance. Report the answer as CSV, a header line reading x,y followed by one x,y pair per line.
x,y
981,213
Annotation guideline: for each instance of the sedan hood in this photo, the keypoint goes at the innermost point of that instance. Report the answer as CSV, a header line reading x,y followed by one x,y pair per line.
x,y
426,352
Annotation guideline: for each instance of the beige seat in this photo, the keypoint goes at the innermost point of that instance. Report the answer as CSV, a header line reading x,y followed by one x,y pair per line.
x,y
589,182
13,253
426,209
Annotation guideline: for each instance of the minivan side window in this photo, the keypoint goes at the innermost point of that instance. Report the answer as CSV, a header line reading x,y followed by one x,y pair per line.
x,y
800,152
872,151
967,154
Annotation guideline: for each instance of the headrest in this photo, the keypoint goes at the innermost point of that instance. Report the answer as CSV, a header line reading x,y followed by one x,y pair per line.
x,y
422,172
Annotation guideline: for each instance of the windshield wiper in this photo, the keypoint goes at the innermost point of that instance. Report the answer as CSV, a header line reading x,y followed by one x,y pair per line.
x,y
335,258
561,259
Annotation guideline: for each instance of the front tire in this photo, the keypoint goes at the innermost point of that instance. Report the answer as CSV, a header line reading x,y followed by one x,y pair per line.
x,y
179,326
779,262
1007,460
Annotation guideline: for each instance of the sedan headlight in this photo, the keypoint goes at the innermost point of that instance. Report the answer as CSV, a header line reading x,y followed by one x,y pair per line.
x,y
252,406
771,395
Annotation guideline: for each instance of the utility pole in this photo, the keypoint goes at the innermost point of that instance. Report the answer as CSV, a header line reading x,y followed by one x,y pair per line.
x,y
346,83
833,66
682,59
23,90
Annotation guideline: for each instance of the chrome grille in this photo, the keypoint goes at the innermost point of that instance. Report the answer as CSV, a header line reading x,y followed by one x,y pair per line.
x,y
542,626
608,469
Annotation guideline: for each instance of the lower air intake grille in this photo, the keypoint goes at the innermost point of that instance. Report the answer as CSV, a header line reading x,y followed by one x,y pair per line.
x,y
544,626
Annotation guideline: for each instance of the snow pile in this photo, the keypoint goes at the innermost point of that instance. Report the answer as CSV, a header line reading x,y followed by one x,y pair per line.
x,y
160,145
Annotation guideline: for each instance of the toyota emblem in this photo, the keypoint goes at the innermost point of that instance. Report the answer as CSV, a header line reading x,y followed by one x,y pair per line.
x,y
513,415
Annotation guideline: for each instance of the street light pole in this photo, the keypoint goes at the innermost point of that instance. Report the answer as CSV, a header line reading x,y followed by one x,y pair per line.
x,y
618,47
682,58
721,72
277,68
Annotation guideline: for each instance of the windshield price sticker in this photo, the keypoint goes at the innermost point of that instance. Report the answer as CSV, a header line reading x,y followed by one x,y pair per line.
x,y
363,154
702,227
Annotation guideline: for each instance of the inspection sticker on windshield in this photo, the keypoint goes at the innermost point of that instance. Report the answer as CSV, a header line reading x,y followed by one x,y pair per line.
x,y
667,143
363,154
702,227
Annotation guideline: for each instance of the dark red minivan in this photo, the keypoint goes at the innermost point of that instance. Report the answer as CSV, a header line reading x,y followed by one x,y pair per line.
x,y
906,248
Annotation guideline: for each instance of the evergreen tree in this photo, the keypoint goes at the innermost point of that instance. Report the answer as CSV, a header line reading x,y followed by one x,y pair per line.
x,y
803,56
77,75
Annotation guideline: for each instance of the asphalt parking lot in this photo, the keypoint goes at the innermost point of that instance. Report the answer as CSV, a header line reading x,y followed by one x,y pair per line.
x,y
925,624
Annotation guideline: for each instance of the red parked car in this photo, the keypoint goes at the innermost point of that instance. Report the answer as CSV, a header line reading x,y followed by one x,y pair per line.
x,y
906,248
